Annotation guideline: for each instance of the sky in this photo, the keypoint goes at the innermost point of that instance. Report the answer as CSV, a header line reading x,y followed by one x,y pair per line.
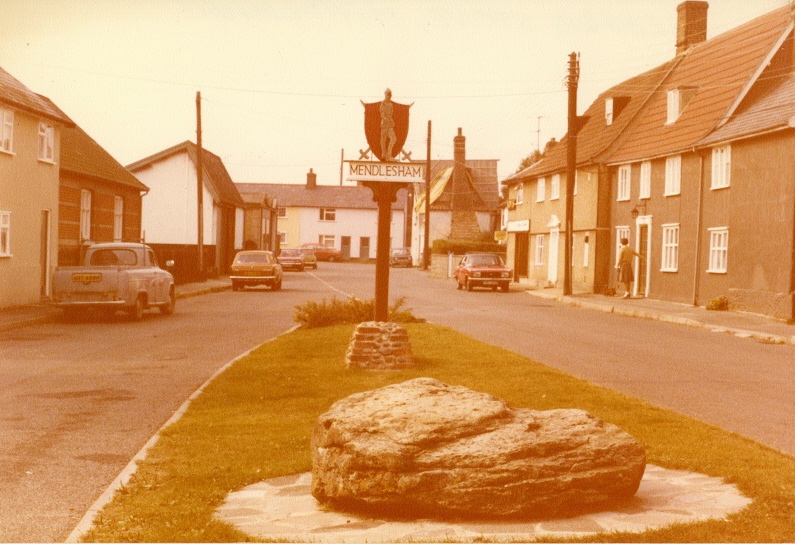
x,y
282,81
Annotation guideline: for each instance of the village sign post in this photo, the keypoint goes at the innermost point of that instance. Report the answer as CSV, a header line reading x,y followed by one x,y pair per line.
x,y
386,126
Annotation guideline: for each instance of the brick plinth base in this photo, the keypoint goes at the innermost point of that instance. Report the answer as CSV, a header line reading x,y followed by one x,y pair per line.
x,y
379,345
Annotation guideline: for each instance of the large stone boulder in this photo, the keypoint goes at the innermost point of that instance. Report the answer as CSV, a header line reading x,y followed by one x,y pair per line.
x,y
425,448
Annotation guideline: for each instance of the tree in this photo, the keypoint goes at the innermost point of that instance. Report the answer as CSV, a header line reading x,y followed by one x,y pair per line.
x,y
529,160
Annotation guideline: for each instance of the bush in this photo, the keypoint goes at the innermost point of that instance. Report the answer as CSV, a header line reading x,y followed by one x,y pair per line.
x,y
353,310
444,247
718,304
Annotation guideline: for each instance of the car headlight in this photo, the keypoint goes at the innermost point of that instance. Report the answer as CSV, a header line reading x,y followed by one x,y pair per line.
x,y
475,274
506,274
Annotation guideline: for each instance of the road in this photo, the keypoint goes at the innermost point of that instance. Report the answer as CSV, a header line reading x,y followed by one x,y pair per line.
x,y
81,399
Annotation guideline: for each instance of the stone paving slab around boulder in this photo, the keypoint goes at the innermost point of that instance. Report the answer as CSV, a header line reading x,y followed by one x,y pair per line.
x,y
284,509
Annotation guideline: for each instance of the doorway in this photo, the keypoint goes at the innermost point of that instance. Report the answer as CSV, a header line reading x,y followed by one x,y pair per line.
x,y
644,248
44,259
345,247
364,247
554,242
521,251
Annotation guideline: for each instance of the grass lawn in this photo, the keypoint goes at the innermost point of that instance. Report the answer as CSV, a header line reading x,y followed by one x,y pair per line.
x,y
254,422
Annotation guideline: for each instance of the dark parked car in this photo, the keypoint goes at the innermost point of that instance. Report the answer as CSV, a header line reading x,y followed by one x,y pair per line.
x,y
483,270
324,253
252,268
292,259
400,256
310,259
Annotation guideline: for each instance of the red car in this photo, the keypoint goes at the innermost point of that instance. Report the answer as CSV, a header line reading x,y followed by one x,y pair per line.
x,y
324,253
483,270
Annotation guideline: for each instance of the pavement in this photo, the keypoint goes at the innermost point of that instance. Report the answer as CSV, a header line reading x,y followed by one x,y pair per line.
x,y
283,508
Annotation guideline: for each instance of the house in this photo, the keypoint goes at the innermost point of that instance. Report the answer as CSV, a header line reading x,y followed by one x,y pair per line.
x,y
708,169
171,217
464,200
536,196
30,150
692,162
344,217
99,199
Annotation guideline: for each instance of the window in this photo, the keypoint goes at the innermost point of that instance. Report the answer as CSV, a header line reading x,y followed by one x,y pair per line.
x,y
46,142
520,193
645,180
673,106
621,232
118,219
5,234
539,254
328,214
670,248
624,178
554,187
608,111
326,240
718,250
541,190
85,215
282,238
673,175
7,131
281,211
721,167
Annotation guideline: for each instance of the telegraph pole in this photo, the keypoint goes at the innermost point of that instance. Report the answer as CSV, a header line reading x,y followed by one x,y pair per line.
x,y
199,186
571,167
426,252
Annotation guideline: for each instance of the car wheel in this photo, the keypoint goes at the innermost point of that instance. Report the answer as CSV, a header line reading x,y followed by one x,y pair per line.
x,y
277,286
505,287
137,312
170,305
235,286
469,285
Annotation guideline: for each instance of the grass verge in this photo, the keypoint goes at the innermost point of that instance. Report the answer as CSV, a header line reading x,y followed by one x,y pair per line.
x,y
254,422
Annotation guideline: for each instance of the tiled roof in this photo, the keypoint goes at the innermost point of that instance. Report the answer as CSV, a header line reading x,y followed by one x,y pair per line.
x,y
718,70
15,94
596,138
774,111
216,178
482,177
321,196
80,154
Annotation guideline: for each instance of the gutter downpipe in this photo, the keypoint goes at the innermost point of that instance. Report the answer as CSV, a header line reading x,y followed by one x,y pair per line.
x,y
699,218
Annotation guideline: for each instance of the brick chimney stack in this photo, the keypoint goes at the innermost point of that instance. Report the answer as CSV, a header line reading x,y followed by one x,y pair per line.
x,y
311,179
691,24
459,171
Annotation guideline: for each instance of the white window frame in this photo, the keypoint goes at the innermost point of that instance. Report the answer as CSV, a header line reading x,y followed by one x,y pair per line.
x,y
7,131
541,189
622,231
670,248
5,234
85,215
624,189
608,111
326,240
718,250
118,219
554,187
281,211
328,214
673,176
46,142
721,167
586,250
644,191
538,255
520,193
673,106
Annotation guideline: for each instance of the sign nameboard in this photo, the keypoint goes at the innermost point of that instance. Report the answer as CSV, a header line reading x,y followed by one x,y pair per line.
x,y
521,225
401,172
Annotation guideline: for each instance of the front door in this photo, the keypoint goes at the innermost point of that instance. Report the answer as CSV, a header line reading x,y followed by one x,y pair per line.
x,y
552,270
364,247
642,266
521,251
45,254
345,247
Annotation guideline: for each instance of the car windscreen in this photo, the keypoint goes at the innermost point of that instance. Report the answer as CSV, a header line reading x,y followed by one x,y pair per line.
x,y
261,258
484,260
114,257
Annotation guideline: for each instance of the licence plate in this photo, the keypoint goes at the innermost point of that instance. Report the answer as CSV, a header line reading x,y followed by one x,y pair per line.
x,y
86,278
491,282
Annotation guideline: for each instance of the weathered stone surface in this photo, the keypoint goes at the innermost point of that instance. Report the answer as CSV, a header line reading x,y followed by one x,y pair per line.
x,y
426,448
379,345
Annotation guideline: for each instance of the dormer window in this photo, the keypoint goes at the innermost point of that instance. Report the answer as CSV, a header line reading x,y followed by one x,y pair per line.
x,y
678,99
608,111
